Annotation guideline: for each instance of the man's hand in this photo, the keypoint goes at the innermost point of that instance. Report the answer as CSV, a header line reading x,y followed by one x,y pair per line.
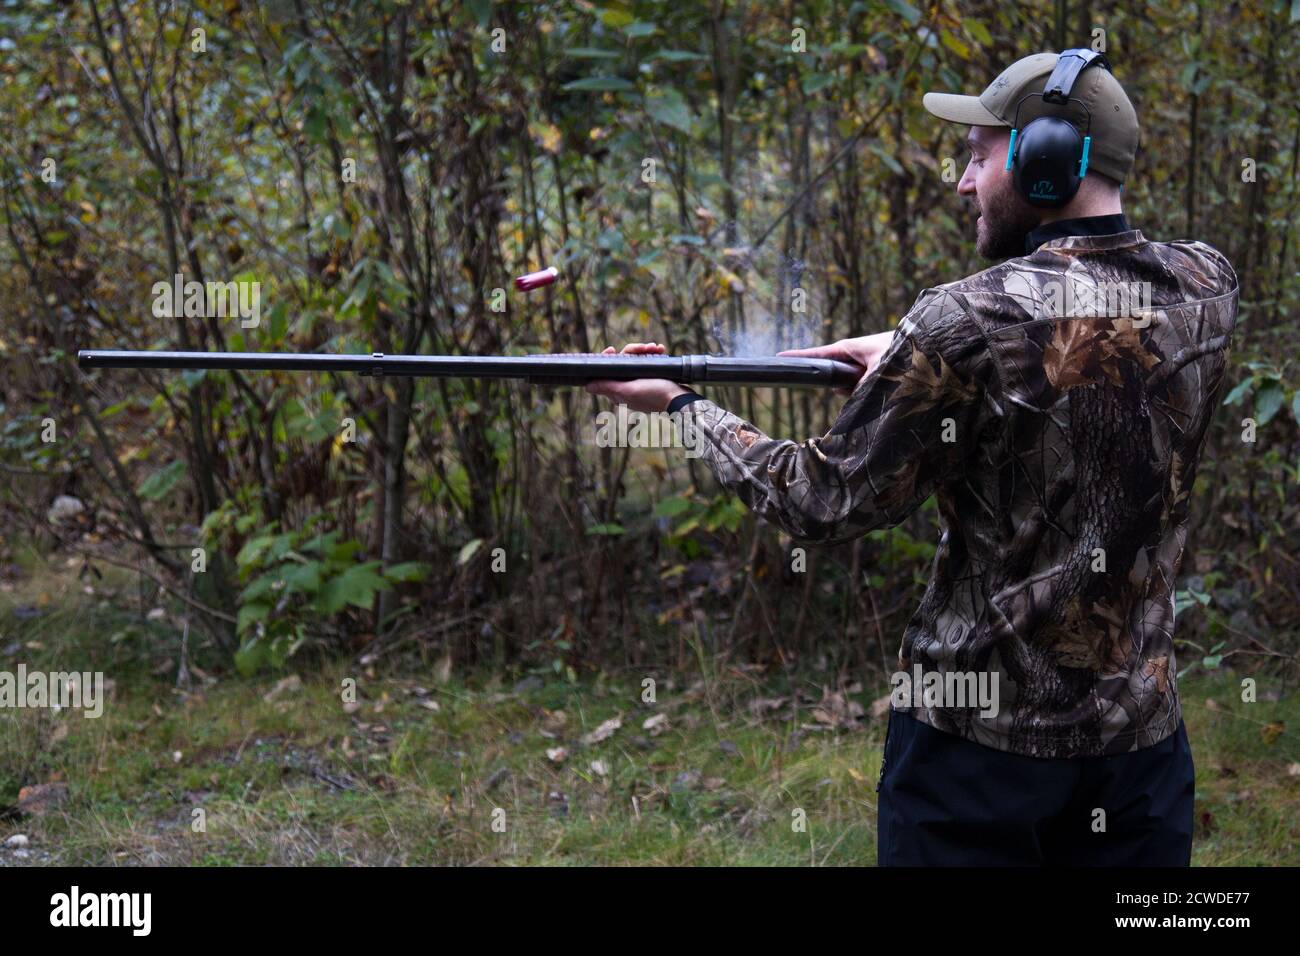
x,y
864,351
643,394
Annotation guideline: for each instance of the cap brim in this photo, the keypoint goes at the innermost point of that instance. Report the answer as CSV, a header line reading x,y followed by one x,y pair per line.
x,y
956,108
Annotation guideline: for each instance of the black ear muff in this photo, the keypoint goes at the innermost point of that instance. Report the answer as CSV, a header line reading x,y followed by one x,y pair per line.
x,y
1049,157
1047,160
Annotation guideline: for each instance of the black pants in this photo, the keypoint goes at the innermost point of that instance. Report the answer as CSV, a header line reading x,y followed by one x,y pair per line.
x,y
947,801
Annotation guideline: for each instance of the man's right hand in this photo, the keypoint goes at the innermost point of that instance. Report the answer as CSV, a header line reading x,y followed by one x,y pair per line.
x,y
864,352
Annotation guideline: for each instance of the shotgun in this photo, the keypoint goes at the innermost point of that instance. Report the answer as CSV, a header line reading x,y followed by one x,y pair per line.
x,y
552,369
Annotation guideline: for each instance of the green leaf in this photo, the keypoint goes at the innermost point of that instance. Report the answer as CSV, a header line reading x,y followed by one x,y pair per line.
x,y
906,11
676,56
671,507
158,484
1295,399
886,157
978,31
260,587
250,614
610,529
357,586
599,84
640,28
481,10
1268,400
316,125
613,17
407,571
344,550
611,240
468,551
592,53
670,108
251,657
1241,388
689,525
302,578
954,43
812,82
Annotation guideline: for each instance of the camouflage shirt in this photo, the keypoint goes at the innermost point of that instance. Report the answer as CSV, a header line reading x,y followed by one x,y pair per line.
x,y
1059,426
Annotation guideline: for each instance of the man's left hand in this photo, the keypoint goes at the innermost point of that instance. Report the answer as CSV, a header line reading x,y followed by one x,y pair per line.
x,y
642,394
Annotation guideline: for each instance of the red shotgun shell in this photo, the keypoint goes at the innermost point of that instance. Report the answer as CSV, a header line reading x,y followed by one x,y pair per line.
x,y
535,280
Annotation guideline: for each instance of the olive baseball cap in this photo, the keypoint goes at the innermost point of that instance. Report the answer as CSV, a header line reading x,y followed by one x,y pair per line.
x,y
1114,128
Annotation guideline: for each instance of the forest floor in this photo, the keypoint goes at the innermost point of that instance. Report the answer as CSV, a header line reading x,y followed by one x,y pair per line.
x,y
431,767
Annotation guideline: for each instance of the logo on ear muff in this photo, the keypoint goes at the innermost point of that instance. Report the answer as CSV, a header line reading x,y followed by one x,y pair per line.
x,y
1049,157
1044,189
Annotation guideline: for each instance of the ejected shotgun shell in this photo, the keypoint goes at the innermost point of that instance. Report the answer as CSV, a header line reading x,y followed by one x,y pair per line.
x,y
535,280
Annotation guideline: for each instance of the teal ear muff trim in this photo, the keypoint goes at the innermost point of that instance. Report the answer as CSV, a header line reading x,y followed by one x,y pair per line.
x,y
1083,163
1011,148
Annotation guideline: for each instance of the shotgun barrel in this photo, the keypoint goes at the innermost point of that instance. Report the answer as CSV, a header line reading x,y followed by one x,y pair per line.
x,y
555,369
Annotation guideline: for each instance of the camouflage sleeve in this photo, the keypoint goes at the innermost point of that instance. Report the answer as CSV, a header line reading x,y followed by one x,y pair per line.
x,y
907,426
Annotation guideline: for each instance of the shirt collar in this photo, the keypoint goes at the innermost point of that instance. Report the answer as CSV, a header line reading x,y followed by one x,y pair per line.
x,y
1084,226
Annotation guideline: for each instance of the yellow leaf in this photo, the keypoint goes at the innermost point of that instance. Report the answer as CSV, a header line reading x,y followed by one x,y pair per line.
x,y
729,281
546,135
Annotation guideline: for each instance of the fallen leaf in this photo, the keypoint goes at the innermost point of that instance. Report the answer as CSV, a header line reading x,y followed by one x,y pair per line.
x,y
40,798
604,731
443,672
762,705
291,684
655,725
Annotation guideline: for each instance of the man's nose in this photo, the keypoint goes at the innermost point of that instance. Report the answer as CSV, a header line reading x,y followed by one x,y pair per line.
x,y
967,185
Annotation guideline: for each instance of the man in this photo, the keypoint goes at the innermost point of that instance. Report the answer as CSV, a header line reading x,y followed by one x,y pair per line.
x,y
1059,426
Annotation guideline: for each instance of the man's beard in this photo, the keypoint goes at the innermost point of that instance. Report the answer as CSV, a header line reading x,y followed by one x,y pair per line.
x,y
1007,221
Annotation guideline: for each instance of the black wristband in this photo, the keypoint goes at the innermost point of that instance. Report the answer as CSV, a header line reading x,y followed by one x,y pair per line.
x,y
681,401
